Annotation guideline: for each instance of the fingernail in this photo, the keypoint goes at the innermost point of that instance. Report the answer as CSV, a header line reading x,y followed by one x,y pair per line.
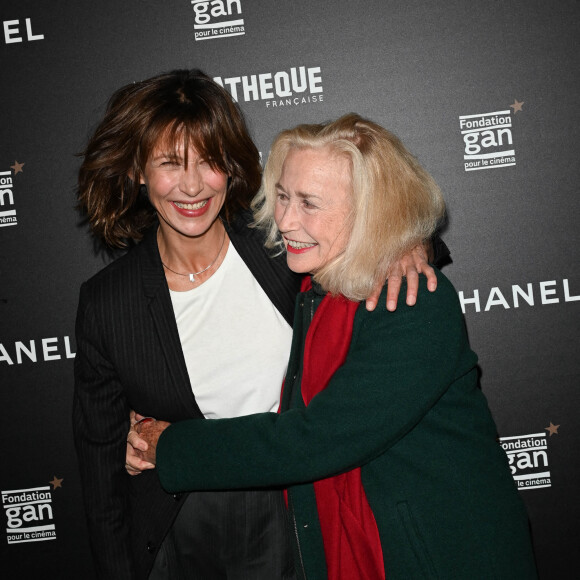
x,y
144,420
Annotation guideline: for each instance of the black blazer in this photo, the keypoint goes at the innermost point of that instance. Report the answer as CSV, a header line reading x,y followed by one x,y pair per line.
x,y
129,356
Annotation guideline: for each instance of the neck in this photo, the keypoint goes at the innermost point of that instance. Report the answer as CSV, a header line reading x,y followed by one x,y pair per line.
x,y
190,254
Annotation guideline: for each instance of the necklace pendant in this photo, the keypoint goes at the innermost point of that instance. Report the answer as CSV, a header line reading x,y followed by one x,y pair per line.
x,y
191,278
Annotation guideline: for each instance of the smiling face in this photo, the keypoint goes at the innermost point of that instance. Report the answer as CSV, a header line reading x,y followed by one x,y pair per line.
x,y
313,205
187,197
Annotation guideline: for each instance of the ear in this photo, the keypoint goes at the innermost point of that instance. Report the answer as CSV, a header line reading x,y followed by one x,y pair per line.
x,y
131,176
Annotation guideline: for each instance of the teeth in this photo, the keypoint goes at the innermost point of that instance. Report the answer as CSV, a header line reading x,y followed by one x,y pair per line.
x,y
299,245
198,205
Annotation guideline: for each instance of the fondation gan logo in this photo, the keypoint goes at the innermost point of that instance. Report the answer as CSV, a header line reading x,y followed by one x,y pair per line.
x,y
217,19
298,85
7,204
29,514
528,458
488,139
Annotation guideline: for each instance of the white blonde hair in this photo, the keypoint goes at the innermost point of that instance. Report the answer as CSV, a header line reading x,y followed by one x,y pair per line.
x,y
396,203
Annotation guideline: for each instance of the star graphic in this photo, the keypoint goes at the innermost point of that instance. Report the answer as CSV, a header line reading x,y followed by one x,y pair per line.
x,y
56,482
517,106
552,429
17,167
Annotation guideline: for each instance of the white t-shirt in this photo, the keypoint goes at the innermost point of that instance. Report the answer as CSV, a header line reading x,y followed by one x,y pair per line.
x,y
236,344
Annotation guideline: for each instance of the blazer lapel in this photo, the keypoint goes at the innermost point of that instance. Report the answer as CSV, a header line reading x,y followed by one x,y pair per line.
x,y
157,292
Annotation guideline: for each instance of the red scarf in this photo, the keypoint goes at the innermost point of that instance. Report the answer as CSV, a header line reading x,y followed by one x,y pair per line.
x,y
349,531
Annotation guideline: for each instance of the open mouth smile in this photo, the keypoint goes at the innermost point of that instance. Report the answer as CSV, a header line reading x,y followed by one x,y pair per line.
x,y
295,247
191,206
194,209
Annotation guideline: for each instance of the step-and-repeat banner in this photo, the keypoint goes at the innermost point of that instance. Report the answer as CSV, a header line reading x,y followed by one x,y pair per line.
x,y
485,94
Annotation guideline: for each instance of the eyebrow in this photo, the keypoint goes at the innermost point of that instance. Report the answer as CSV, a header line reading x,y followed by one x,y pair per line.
x,y
301,194
167,154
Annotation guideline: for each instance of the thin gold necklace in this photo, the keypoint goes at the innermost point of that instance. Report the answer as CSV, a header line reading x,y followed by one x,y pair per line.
x,y
192,275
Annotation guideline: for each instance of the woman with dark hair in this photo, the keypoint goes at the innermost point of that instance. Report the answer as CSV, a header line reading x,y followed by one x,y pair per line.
x,y
193,322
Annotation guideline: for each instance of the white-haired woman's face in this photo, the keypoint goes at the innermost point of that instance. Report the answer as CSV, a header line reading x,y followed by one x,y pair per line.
x,y
313,205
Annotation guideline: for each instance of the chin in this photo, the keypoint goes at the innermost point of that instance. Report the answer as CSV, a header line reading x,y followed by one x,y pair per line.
x,y
299,268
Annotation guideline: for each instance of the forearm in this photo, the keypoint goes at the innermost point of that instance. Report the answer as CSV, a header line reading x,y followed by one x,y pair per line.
x,y
100,423
105,499
391,379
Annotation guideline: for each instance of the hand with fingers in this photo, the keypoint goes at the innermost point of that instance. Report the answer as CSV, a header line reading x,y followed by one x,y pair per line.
x,y
142,443
135,462
409,266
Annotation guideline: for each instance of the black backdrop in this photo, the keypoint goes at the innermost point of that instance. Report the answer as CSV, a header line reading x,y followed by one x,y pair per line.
x,y
494,80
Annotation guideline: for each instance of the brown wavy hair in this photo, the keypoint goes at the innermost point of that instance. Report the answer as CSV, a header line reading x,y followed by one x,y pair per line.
x,y
181,106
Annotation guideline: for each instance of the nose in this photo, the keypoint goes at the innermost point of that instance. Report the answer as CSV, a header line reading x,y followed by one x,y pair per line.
x,y
191,183
285,217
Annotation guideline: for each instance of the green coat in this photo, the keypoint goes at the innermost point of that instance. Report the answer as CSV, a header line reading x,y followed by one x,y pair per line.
x,y
406,407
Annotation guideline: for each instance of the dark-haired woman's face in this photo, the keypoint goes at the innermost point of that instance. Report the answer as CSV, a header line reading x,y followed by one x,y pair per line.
x,y
188,198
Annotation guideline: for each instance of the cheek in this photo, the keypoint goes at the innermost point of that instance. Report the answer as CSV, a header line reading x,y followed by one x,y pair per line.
x,y
217,181
158,185
336,232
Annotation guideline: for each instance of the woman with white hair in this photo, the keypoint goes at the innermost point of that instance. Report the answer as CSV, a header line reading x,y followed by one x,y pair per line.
x,y
384,441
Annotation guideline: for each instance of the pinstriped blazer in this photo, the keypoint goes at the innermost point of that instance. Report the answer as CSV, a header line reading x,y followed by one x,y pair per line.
x,y
129,357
